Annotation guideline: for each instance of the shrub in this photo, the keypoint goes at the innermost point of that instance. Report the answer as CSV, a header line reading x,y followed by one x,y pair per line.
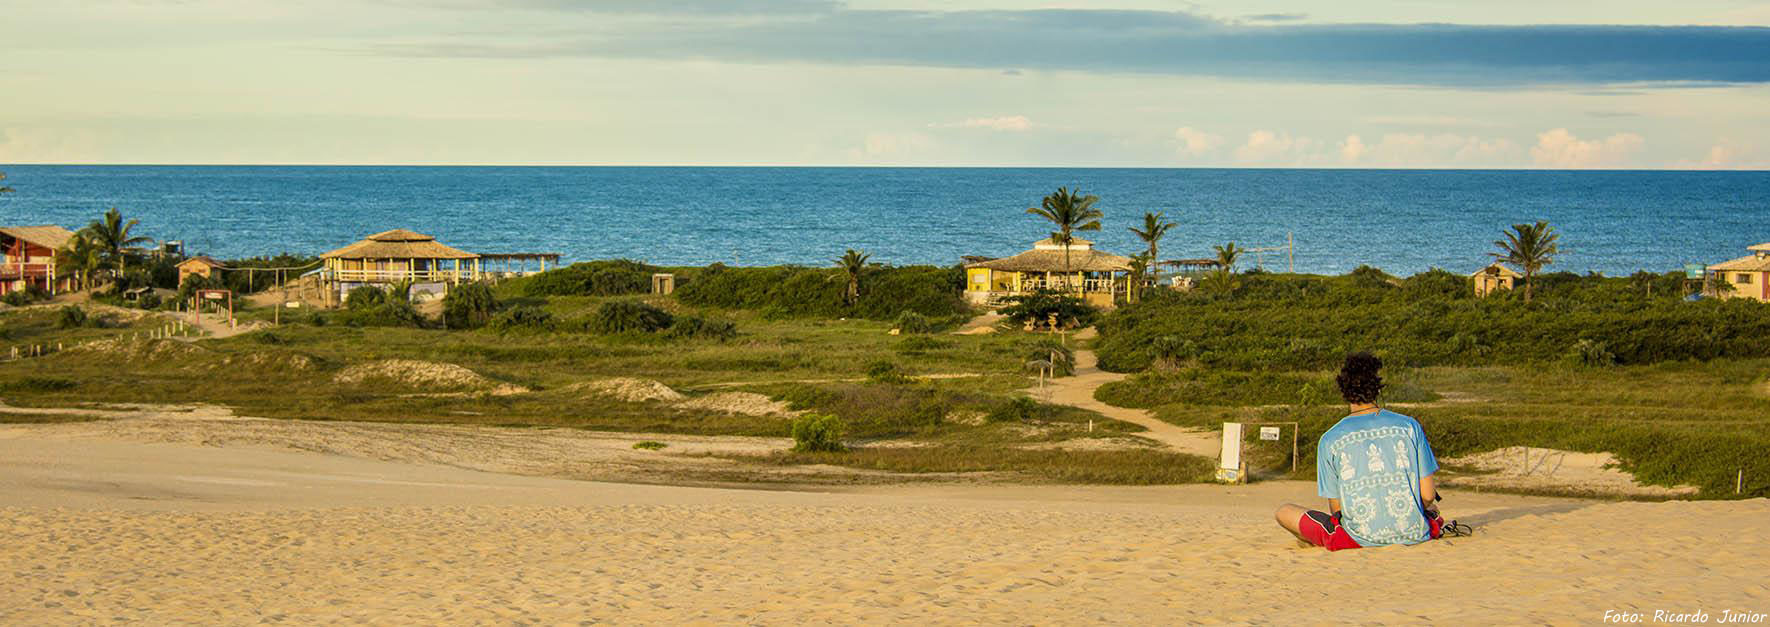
x,y
391,313
791,291
649,445
1040,307
1016,409
469,306
522,318
593,278
1170,351
361,298
20,298
817,433
912,323
1590,354
71,317
696,327
917,344
39,384
885,372
148,300
622,316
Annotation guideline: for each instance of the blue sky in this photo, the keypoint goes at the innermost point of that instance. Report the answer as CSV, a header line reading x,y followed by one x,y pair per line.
x,y
1254,83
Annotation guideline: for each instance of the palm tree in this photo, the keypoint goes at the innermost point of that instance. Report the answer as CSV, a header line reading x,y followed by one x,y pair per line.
x,y
1227,254
1140,266
852,264
1528,247
113,238
1153,230
82,257
1070,212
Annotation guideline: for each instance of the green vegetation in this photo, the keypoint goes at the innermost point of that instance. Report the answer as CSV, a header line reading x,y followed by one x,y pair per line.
x,y
591,278
649,445
817,433
1529,247
790,291
1069,212
1678,391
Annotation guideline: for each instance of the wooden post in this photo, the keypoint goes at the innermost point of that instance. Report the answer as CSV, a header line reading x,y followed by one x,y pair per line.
x,y
1739,481
1294,431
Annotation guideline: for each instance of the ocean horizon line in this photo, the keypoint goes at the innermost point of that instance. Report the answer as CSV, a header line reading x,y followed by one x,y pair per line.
x,y
656,166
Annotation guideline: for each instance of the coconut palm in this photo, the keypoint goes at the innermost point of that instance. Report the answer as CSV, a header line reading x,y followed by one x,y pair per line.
x,y
1069,212
82,257
114,239
852,264
1227,254
1153,229
1528,247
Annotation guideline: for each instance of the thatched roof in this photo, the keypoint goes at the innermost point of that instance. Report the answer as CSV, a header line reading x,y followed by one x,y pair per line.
x,y
49,236
1080,260
398,244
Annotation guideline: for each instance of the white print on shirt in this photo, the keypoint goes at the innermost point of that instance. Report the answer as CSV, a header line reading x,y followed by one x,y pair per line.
x,y
1375,456
1401,456
1361,508
1398,502
1347,472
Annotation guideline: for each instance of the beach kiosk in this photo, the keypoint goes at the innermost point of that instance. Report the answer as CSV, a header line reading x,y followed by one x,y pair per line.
x,y
396,256
1097,277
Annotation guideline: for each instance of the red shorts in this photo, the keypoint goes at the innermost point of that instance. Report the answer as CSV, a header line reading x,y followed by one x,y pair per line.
x,y
1324,530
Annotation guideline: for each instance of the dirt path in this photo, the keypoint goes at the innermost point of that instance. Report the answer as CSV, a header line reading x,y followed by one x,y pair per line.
x,y
1078,391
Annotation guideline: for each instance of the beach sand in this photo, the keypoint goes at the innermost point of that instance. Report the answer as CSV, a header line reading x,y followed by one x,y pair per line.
x,y
112,530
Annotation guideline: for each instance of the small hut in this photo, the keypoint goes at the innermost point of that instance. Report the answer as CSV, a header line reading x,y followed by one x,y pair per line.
x,y
200,265
1750,275
1494,277
1097,277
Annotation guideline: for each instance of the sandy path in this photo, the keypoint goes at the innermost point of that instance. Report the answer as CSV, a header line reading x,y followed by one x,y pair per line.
x,y
101,531
1078,391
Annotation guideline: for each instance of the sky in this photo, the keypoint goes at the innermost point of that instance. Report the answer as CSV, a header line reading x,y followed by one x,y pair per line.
x,y
1140,83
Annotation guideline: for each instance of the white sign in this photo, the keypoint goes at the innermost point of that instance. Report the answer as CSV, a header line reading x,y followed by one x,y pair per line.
x,y
1269,433
1231,457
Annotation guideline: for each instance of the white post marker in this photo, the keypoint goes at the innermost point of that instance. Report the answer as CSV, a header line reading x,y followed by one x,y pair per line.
x,y
1230,468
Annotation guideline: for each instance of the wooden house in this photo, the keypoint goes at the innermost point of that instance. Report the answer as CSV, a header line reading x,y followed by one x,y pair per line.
x,y
1095,276
1749,275
198,266
29,258
430,267
1494,277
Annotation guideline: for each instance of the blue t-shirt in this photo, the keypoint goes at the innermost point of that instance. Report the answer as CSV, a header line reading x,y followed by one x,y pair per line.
x,y
1373,464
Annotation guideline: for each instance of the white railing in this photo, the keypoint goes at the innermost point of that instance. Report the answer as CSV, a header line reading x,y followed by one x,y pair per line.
x,y
391,276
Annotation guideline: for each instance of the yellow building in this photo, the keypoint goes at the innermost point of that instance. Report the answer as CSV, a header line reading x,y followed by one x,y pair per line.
x,y
1097,277
1750,275
1494,277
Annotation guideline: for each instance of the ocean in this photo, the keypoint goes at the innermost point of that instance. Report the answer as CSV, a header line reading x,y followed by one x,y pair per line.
x,y
1402,221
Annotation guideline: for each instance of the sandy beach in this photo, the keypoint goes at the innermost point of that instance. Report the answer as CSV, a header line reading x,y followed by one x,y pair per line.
x,y
102,530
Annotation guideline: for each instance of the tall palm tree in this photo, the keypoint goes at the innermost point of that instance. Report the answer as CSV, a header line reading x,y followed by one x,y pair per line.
x,y
113,238
1227,254
1528,247
1153,229
852,264
1069,212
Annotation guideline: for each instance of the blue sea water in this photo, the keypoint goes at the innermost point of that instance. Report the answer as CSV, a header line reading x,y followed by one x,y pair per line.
x,y
1402,221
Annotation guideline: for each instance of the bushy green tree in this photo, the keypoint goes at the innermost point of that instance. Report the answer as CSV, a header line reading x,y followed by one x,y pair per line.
x,y
469,306
817,433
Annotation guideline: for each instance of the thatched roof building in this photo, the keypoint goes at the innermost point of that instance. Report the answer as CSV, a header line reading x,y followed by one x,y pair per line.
x,y
398,244
1048,256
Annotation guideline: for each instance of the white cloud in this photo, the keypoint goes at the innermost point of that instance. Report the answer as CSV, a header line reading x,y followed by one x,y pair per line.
x,y
1419,150
1277,148
1010,123
1196,142
1352,149
1561,149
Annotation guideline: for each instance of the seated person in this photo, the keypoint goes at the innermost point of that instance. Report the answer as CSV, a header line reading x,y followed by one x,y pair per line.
x,y
1375,469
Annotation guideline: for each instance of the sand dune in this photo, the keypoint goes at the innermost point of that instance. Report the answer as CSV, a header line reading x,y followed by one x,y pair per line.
x,y
104,531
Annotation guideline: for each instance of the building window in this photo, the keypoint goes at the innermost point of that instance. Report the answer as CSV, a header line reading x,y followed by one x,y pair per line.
x,y
1745,279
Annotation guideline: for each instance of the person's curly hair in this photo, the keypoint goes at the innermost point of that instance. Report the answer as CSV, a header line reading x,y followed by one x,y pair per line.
x,y
1358,379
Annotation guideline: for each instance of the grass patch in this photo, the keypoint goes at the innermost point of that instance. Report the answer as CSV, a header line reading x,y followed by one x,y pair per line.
x,y
649,445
